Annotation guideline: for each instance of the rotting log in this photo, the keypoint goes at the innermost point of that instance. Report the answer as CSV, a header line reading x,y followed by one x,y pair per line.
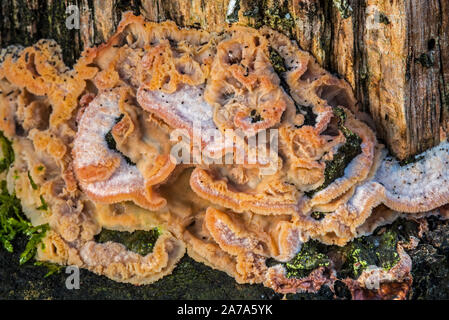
x,y
394,53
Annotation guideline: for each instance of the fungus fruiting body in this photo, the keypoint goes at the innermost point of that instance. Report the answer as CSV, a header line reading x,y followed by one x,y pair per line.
x,y
88,153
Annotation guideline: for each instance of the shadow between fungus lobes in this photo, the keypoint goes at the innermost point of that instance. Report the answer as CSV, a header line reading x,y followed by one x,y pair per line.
x,y
112,145
335,168
279,67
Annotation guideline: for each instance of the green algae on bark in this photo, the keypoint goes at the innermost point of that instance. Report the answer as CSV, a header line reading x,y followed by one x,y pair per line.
x,y
7,153
376,250
273,14
52,268
139,241
344,8
278,17
311,256
277,61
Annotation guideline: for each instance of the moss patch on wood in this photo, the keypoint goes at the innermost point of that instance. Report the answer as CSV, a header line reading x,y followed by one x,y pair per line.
x,y
139,241
312,255
112,145
335,168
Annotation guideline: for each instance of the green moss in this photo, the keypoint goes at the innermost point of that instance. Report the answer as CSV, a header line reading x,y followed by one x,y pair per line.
x,y
7,153
52,268
141,242
43,206
378,250
359,261
344,8
311,256
279,18
13,223
192,280
35,236
12,220
335,168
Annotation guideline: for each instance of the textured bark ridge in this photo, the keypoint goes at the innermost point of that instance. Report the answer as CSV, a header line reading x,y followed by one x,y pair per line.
x,y
395,54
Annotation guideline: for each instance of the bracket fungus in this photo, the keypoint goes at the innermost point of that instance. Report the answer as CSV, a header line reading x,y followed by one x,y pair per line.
x,y
95,142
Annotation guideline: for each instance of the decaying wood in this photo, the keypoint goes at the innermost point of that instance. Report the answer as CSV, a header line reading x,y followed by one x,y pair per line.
x,y
395,53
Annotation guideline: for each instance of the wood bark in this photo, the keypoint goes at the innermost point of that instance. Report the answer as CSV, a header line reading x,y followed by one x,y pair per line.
x,y
394,53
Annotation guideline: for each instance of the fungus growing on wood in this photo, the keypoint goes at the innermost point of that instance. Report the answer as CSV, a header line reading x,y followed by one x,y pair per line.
x,y
92,152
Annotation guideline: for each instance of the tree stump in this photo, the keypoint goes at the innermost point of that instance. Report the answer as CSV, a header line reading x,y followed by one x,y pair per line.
x,y
395,54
